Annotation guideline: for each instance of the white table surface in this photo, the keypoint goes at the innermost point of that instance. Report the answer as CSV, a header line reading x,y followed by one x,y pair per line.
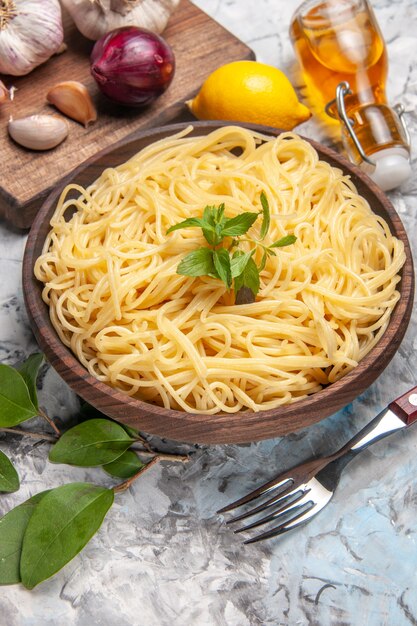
x,y
163,557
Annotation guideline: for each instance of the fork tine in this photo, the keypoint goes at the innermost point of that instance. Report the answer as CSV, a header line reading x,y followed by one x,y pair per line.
x,y
284,485
299,519
278,500
295,505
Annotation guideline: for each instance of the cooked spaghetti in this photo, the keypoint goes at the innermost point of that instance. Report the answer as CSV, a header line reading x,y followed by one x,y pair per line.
x,y
116,300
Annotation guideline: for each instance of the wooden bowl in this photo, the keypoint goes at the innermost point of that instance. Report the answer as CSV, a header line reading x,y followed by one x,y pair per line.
x,y
240,427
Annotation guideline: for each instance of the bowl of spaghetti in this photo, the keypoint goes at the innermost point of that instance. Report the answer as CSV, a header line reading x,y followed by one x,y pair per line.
x,y
175,355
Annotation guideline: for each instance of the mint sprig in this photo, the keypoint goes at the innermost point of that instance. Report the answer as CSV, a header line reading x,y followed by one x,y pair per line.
x,y
232,265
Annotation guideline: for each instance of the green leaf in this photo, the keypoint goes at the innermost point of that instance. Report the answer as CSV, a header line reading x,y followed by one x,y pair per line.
x,y
209,215
238,225
215,217
221,260
284,241
29,371
266,215
239,262
132,432
263,261
191,222
16,405
91,443
9,480
220,214
197,263
125,466
61,525
248,279
12,529
88,412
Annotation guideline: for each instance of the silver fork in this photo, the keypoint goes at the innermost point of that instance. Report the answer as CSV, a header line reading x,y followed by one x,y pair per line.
x,y
303,491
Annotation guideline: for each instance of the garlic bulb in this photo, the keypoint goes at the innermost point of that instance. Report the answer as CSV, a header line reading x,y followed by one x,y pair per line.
x,y
95,18
30,32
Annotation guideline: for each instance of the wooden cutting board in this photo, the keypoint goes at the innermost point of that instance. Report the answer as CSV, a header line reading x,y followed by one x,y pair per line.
x,y
200,45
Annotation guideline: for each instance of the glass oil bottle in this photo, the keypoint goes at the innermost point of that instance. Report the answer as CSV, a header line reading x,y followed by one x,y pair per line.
x,y
344,63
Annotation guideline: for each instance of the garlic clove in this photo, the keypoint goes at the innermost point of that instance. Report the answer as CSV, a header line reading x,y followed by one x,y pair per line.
x,y
73,99
4,92
38,132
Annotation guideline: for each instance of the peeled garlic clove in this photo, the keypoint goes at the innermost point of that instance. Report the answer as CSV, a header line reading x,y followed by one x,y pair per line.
x,y
73,99
38,132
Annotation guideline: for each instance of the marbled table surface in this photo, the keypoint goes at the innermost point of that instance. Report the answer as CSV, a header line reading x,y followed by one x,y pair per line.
x,y
163,557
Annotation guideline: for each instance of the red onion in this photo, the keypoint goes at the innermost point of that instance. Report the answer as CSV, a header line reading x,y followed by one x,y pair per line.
x,y
132,65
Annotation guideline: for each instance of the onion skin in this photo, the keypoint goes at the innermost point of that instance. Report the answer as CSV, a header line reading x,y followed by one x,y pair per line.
x,y
132,66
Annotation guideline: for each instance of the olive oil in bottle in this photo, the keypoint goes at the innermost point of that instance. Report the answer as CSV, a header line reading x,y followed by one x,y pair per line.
x,y
344,63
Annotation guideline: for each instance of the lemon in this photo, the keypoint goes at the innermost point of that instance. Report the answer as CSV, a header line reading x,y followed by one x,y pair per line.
x,y
249,91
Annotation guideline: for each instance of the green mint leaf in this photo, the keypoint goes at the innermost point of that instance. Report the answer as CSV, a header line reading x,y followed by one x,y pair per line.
x,y
16,405
263,261
239,262
284,241
249,278
61,525
239,225
12,529
197,263
220,219
209,214
221,260
125,466
91,443
29,371
214,216
191,222
211,237
266,216
9,480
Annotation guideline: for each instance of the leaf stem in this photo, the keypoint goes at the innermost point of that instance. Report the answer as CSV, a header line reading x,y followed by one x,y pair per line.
x,y
145,444
50,422
180,458
126,483
28,433
158,457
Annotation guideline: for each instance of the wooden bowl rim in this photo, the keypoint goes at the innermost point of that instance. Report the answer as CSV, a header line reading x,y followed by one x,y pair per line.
x,y
240,427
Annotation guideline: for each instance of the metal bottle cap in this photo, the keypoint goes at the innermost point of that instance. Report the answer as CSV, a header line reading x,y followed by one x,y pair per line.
x,y
388,167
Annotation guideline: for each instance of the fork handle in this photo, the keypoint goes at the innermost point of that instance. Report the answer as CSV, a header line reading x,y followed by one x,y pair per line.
x,y
405,407
400,413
